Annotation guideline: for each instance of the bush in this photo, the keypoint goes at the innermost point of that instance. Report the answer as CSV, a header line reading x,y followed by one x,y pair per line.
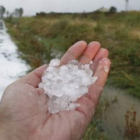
x,y
113,9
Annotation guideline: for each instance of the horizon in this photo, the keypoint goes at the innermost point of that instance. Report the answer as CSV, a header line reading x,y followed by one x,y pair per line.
x,y
32,7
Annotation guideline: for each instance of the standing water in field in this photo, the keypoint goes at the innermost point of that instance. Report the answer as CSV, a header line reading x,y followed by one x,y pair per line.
x,y
11,66
121,118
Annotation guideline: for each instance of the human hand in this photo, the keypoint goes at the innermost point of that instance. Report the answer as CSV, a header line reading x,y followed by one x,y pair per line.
x,y
23,108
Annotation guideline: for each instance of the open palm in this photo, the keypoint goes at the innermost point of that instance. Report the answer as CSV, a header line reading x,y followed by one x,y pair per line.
x,y
23,108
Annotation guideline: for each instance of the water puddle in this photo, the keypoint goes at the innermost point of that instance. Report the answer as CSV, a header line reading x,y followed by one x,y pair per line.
x,y
114,121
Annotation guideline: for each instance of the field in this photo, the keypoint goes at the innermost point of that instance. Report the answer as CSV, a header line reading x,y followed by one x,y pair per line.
x,y
42,38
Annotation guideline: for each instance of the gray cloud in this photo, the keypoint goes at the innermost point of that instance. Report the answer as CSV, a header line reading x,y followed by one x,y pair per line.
x,y
33,6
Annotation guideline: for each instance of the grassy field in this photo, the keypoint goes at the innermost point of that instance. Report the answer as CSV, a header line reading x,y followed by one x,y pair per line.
x,y
40,39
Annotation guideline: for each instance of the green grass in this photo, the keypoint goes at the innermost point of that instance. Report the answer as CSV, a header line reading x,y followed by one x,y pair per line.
x,y
38,37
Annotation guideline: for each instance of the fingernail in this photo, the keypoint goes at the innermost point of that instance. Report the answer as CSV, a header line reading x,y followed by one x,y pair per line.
x,y
106,68
105,64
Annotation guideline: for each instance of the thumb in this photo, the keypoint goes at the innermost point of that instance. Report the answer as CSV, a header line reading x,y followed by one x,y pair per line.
x,y
34,77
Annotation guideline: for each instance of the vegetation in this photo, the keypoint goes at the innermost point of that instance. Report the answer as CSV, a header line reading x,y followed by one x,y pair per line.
x,y
38,38
132,126
113,9
18,12
95,130
2,11
46,36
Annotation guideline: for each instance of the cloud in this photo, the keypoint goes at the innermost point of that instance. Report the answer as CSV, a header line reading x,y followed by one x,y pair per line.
x,y
33,6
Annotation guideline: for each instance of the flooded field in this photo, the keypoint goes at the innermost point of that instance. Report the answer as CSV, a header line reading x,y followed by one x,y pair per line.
x,y
121,108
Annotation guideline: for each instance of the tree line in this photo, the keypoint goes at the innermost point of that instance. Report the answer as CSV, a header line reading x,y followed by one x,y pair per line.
x,y
18,12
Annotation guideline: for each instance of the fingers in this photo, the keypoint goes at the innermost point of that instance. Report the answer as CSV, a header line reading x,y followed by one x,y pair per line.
x,y
74,52
34,78
101,72
89,102
90,52
101,54
86,107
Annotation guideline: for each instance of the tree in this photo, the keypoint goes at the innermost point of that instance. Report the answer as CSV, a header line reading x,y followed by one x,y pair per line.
x,y
2,11
113,9
16,12
20,12
7,13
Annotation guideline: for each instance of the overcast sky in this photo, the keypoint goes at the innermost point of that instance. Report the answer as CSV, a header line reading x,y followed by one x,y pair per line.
x,y
32,6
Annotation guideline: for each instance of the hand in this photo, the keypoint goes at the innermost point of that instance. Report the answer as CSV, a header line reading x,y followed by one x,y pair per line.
x,y
23,108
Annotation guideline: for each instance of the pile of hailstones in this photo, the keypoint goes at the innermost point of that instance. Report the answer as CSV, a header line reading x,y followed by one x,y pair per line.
x,y
65,84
